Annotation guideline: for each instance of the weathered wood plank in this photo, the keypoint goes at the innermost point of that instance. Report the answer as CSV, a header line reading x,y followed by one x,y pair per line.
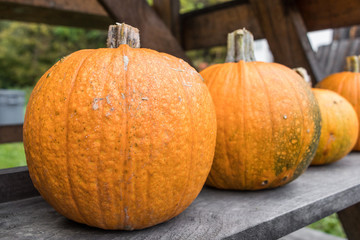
x,y
169,12
215,214
15,183
306,48
323,14
11,133
153,32
285,32
350,220
73,13
209,27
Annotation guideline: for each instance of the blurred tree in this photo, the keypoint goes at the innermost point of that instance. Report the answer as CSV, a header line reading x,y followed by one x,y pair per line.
x,y
28,50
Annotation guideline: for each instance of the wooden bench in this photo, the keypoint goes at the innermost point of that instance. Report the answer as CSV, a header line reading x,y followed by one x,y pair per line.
x,y
215,214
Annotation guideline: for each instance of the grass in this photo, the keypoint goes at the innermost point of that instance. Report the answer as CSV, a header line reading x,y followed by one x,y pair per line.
x,y
12,155
330,225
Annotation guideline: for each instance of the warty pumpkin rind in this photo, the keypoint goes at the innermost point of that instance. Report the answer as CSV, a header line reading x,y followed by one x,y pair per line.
x,y
347,84
339,130
120,138
268,125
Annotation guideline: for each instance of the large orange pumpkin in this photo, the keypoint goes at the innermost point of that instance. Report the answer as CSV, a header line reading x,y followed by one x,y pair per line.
x,y
120,138
347,84
268,120
339,127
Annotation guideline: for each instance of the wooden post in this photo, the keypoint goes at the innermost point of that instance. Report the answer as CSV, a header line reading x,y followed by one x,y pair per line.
x,y
11,133
285,31
169,12
153,30
350,220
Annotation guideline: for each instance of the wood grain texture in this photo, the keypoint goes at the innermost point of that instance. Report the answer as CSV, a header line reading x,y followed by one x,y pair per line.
x,y
11,133
350,219
15,183
209,27
169,12
215,214
153,32
285,32
56,12
323,14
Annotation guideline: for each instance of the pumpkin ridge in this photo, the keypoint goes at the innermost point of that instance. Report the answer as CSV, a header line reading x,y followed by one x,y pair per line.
x,y
189,162
44,84
306,162
128,167
244,117
303,120
341,86
101,194
219,70
270,107
73,81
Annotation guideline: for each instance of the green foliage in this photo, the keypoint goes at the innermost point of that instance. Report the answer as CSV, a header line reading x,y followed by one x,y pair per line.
x,y
189,5
331,225
12,155
28,50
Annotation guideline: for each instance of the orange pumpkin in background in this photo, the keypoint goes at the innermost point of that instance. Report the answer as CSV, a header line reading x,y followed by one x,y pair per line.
x,y
340,126
347,84
120,138
268,120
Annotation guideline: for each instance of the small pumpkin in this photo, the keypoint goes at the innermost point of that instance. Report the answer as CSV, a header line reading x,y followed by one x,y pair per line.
x,y
347,84
268,120
339,131
120,138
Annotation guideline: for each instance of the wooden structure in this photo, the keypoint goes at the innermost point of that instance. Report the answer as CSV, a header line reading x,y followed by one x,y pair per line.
x,y
218,214
346,42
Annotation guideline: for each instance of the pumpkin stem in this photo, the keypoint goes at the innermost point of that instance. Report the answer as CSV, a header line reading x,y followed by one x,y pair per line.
x,y
122,33
240,46
353,63
304,74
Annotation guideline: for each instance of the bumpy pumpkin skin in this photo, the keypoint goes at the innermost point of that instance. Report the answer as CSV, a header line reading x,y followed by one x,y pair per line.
x,y
268,125
347,85
120,138
339,128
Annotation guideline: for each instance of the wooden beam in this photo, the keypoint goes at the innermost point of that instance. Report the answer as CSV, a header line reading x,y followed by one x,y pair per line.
x,y
350,219
169,12
309,57
209,27
153,32
11,133
323,14
56,12
15,184
285,32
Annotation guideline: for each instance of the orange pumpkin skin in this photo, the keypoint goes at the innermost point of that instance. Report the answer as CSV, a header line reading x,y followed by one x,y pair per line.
x,y
347,85
339,128
120,138
268,125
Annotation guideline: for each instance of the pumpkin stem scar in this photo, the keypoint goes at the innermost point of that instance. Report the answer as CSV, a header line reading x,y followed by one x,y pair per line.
x,y
304,74
122,33
240,46
353,64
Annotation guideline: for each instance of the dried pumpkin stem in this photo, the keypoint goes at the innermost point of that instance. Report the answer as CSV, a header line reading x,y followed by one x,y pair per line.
x,y
240,46
304,74
122,33
353,63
